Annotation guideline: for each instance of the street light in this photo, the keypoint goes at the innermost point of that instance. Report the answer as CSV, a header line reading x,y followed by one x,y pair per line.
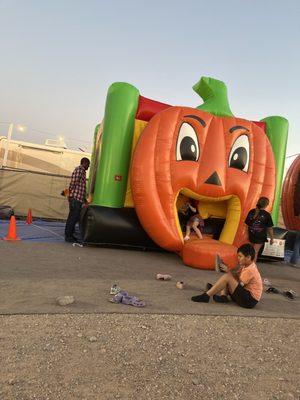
x,y
61,141
20,128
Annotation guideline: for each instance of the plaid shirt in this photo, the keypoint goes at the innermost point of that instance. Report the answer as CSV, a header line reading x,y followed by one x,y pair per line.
x,y
77,186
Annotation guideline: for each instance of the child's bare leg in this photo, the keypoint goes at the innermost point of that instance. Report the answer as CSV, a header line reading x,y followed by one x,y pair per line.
x,y
187,233
226,281
222,283
197,230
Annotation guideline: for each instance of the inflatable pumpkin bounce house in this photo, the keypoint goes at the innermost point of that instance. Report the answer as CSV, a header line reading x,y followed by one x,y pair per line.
x,y
150,158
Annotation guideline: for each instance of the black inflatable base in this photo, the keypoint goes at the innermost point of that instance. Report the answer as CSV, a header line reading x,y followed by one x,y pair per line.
x,y
120,227
114,227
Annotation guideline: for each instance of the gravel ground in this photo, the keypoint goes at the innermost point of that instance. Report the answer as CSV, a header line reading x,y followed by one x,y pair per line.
x,y
113,356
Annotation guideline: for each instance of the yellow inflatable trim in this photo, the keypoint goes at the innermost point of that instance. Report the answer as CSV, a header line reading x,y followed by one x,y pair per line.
x,y
226,207
139,126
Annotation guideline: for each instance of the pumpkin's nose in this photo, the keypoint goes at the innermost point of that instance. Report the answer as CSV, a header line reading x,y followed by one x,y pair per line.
x,y
214,179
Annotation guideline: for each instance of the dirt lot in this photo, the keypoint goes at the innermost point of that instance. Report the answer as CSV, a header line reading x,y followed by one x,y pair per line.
x,y
172,349
148,357
32,275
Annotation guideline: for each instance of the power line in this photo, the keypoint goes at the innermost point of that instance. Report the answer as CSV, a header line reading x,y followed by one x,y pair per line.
x,y
55,135
293,155
46,133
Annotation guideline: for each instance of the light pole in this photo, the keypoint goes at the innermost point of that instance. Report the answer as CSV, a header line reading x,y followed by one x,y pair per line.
x,y
8,140
9,134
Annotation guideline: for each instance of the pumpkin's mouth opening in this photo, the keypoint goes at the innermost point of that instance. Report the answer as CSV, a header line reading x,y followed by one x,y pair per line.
x,y
221,215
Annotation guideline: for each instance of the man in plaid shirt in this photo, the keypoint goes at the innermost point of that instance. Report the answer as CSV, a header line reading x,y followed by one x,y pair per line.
x,y
77,197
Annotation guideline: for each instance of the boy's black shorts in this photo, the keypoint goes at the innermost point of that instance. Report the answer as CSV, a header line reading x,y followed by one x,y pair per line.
x,y
243,297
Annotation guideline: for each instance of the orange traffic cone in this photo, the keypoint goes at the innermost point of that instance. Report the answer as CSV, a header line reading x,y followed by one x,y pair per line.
x,y
29,217
12,230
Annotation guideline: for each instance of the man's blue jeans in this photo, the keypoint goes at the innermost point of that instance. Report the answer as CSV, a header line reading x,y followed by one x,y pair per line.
x,y
296,253
73,217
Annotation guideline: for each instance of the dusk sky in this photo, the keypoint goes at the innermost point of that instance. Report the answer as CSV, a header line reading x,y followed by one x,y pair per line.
x,y
58,59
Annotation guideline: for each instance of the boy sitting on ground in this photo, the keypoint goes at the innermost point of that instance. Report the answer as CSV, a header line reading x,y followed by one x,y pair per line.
x,y
243,283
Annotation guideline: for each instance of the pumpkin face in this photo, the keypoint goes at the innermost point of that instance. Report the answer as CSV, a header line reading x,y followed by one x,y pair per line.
x,y
290,201
226,163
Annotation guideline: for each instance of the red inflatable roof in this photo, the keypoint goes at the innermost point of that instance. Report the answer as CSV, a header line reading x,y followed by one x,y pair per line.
x,y
148,108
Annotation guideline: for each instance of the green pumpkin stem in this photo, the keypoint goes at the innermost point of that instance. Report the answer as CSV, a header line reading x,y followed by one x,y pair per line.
x,y
214,95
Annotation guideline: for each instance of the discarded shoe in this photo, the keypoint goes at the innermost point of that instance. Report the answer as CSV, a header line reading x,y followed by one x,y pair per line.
x,y
124,298
162,277
133,301
118,297
180,285
272,289
115,289
290,294
267,283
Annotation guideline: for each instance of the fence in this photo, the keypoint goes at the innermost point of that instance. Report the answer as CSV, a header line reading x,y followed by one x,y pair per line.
x,y
22,189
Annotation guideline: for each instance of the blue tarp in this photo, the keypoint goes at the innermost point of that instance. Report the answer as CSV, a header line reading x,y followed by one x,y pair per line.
x,y
38,231
53,232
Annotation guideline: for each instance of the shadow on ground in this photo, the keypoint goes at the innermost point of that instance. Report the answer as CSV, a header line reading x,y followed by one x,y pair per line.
x,y
33,275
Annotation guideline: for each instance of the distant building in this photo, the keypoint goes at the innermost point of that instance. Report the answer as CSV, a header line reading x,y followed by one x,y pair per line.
x,y
52,159
35,176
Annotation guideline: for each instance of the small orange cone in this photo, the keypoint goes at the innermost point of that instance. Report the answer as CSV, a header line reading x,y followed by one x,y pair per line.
x,y
29,217
12,230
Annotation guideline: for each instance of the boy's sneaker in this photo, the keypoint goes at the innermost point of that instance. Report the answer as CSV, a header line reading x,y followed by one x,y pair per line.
x,y
220,299
115,289
267,283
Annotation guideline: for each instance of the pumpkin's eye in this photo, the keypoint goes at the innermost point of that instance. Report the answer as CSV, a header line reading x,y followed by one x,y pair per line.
x,y
239,154
187,147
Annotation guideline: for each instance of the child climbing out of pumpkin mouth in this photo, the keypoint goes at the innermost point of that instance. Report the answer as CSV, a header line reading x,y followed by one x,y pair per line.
x,y
243,283
195,222
259,224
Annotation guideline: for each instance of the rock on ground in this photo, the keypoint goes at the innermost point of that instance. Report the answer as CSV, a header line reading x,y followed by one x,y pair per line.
x,y
65,300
